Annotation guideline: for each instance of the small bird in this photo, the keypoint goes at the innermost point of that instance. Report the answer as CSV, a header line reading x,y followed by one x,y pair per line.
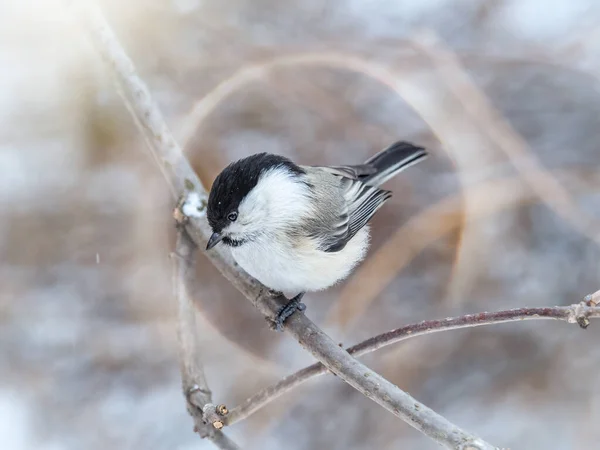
x,y
300,228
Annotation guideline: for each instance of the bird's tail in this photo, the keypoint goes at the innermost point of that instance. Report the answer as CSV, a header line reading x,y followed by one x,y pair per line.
x,y
392,160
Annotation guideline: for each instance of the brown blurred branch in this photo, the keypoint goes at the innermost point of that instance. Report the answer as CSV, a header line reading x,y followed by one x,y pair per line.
x,y
191,214
577,313
193,380
502,134
165,150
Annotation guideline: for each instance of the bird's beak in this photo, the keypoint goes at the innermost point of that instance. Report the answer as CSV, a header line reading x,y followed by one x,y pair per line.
x,y
214,240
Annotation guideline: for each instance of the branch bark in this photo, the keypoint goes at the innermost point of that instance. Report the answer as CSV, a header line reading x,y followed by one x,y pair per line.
x,y
191,214
181,178
577,313
195,387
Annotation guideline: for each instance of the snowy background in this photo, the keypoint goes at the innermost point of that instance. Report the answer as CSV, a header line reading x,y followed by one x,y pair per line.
x,y
504,213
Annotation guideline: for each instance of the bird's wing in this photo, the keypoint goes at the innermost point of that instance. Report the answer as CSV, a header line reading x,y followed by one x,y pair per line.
x,y
358,203
352,172
360,198
363,201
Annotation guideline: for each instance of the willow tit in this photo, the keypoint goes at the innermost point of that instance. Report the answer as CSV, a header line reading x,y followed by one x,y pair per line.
x,y
300,228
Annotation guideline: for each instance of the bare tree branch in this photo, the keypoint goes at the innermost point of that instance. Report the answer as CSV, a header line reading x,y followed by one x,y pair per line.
x,y
578,313
194,384
191,213
180,177
593,299
340,362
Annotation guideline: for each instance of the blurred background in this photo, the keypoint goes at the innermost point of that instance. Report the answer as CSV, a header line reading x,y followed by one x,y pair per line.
x,y
505,213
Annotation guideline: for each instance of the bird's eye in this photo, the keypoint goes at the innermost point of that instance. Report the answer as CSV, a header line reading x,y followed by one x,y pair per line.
x,y
232,216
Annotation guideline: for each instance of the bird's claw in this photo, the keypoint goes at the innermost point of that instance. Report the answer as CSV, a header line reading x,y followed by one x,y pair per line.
x,y
286,311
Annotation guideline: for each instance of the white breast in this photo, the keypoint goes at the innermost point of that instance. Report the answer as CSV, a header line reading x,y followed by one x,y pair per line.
x,y
291,270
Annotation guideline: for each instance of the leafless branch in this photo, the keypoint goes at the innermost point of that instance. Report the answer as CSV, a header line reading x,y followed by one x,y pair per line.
x,y
180,177
191,213
578,313
194,384
340,362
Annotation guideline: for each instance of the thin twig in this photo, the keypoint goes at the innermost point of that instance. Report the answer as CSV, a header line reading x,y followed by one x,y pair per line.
x,y
195,387
375,274
191,213
181,178
365,380
578,313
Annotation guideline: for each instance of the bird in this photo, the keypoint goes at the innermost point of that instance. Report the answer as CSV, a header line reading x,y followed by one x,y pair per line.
x,y
299,228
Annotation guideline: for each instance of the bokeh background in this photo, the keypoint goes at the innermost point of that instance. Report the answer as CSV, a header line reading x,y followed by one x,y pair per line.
x,y
505,213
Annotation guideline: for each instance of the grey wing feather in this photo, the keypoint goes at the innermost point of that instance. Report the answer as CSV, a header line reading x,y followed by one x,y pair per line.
x,y
363,202
344,215
359,204
352,172
365,208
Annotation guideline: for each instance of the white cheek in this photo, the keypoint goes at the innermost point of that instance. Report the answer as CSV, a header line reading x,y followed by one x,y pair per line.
x,y
277,199
253,209
236,228
251,218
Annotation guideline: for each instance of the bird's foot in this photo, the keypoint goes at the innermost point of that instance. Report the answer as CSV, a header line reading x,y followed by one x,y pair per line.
x,y
290,308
